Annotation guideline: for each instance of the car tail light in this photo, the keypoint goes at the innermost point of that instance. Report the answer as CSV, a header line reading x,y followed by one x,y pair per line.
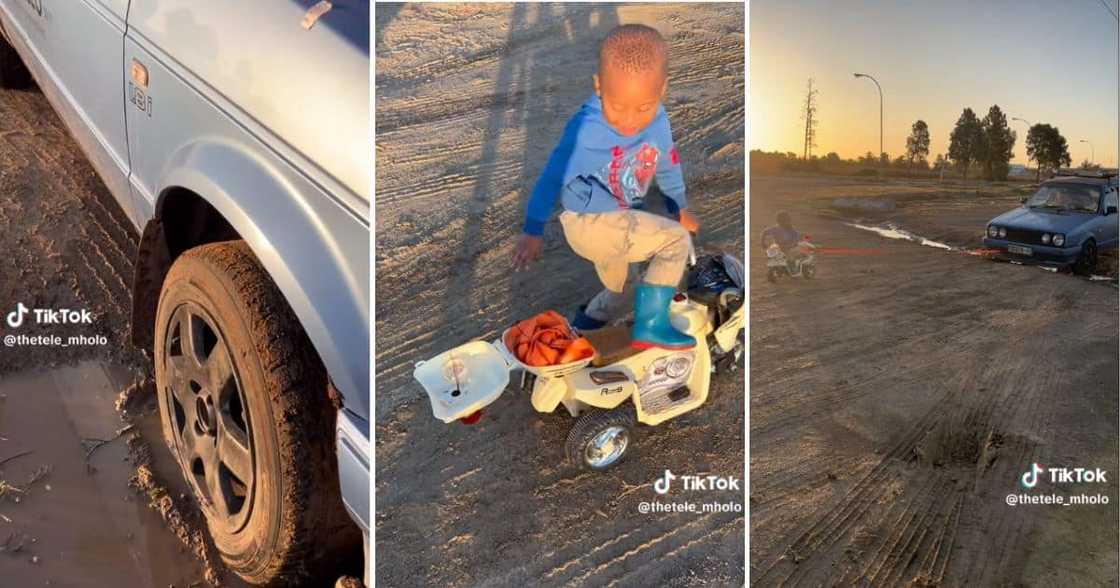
x,y
472,418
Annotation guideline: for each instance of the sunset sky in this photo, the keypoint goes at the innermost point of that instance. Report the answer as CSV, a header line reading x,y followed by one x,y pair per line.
x,y
1044,61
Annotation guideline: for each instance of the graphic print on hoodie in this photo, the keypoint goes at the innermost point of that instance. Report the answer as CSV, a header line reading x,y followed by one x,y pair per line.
x,y
594,169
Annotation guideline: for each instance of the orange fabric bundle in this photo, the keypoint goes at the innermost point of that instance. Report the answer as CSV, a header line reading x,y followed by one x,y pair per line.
x,y
546,340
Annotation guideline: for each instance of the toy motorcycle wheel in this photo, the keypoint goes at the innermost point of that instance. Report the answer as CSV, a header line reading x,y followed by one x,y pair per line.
x,y
809,271
601,438
772,275
731,360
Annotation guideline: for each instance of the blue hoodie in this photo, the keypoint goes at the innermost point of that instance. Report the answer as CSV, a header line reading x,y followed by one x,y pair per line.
x,y
595,169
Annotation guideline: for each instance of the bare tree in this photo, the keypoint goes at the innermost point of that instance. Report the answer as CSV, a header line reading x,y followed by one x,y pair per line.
x,y
810,118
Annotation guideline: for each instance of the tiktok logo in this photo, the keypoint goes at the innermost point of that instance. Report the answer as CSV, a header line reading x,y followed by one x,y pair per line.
x,y
1030,479
15,318
661,486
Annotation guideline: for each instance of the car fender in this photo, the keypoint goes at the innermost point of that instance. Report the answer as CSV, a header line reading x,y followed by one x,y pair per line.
x,y
322,273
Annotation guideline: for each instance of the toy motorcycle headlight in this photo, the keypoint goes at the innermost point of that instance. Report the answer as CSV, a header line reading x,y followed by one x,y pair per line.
x,y
1046,238
993,231
677,367
455,372
1059,240
1002,232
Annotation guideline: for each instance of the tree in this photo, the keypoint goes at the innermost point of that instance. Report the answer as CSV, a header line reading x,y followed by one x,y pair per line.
x,y
965,141
1047,146
868,159
917,144
884,159
1089,166
809,116
833,157
996,145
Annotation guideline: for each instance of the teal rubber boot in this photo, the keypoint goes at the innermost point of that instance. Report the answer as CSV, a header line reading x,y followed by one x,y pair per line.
x,y
651,320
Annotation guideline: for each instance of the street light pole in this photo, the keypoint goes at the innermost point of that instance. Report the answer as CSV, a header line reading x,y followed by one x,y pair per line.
x,y
1038,173
861,75
1092,152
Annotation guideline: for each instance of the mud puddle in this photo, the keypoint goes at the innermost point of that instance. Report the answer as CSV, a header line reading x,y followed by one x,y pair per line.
x,y
69,245
72,519
891,231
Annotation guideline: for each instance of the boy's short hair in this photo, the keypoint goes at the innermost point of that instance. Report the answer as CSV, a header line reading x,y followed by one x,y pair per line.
x,y
634,49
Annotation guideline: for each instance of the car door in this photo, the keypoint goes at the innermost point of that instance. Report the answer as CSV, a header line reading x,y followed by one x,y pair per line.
x,y
76,48
1109,223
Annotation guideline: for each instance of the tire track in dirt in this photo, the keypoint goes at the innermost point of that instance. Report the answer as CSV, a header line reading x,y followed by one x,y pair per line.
x,y
73,246
855,508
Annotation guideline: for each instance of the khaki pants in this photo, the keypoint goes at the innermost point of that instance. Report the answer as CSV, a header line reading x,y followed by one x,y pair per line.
x,y
615,240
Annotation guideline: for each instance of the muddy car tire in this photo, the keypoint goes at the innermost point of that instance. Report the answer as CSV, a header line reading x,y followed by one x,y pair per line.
x,y
610,433
245,410
1087,261
13,74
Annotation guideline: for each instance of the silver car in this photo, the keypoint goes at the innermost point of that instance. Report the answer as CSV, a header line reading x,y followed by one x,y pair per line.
x,y
235,136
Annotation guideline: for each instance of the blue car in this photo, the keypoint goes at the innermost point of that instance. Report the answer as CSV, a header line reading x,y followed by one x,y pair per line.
x,y
1066,224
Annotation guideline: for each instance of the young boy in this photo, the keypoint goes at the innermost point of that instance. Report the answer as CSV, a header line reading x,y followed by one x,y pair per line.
x,y
611,151
786,237
783,234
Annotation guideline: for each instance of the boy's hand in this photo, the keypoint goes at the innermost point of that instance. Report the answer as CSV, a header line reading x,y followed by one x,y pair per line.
x,y
689,222
527,251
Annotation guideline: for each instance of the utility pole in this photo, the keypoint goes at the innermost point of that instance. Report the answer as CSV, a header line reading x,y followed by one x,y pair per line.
x,y
810,120
1038,167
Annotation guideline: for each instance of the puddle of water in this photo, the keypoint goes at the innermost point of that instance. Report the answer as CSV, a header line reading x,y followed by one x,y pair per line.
x,y
929,243
893,232
89,527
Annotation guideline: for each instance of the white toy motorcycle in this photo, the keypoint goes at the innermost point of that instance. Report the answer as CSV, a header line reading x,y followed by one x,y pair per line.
x,y
620,385
778,265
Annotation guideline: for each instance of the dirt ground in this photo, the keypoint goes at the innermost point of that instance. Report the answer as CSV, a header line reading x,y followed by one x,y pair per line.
x,y
67,519
897,398
470,100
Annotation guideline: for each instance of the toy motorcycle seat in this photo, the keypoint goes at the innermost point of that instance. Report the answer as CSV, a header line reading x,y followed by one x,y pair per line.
x,y
612,344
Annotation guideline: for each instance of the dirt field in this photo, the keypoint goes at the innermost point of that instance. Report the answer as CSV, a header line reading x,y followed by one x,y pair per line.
x,y
471,99
68,519
897,399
